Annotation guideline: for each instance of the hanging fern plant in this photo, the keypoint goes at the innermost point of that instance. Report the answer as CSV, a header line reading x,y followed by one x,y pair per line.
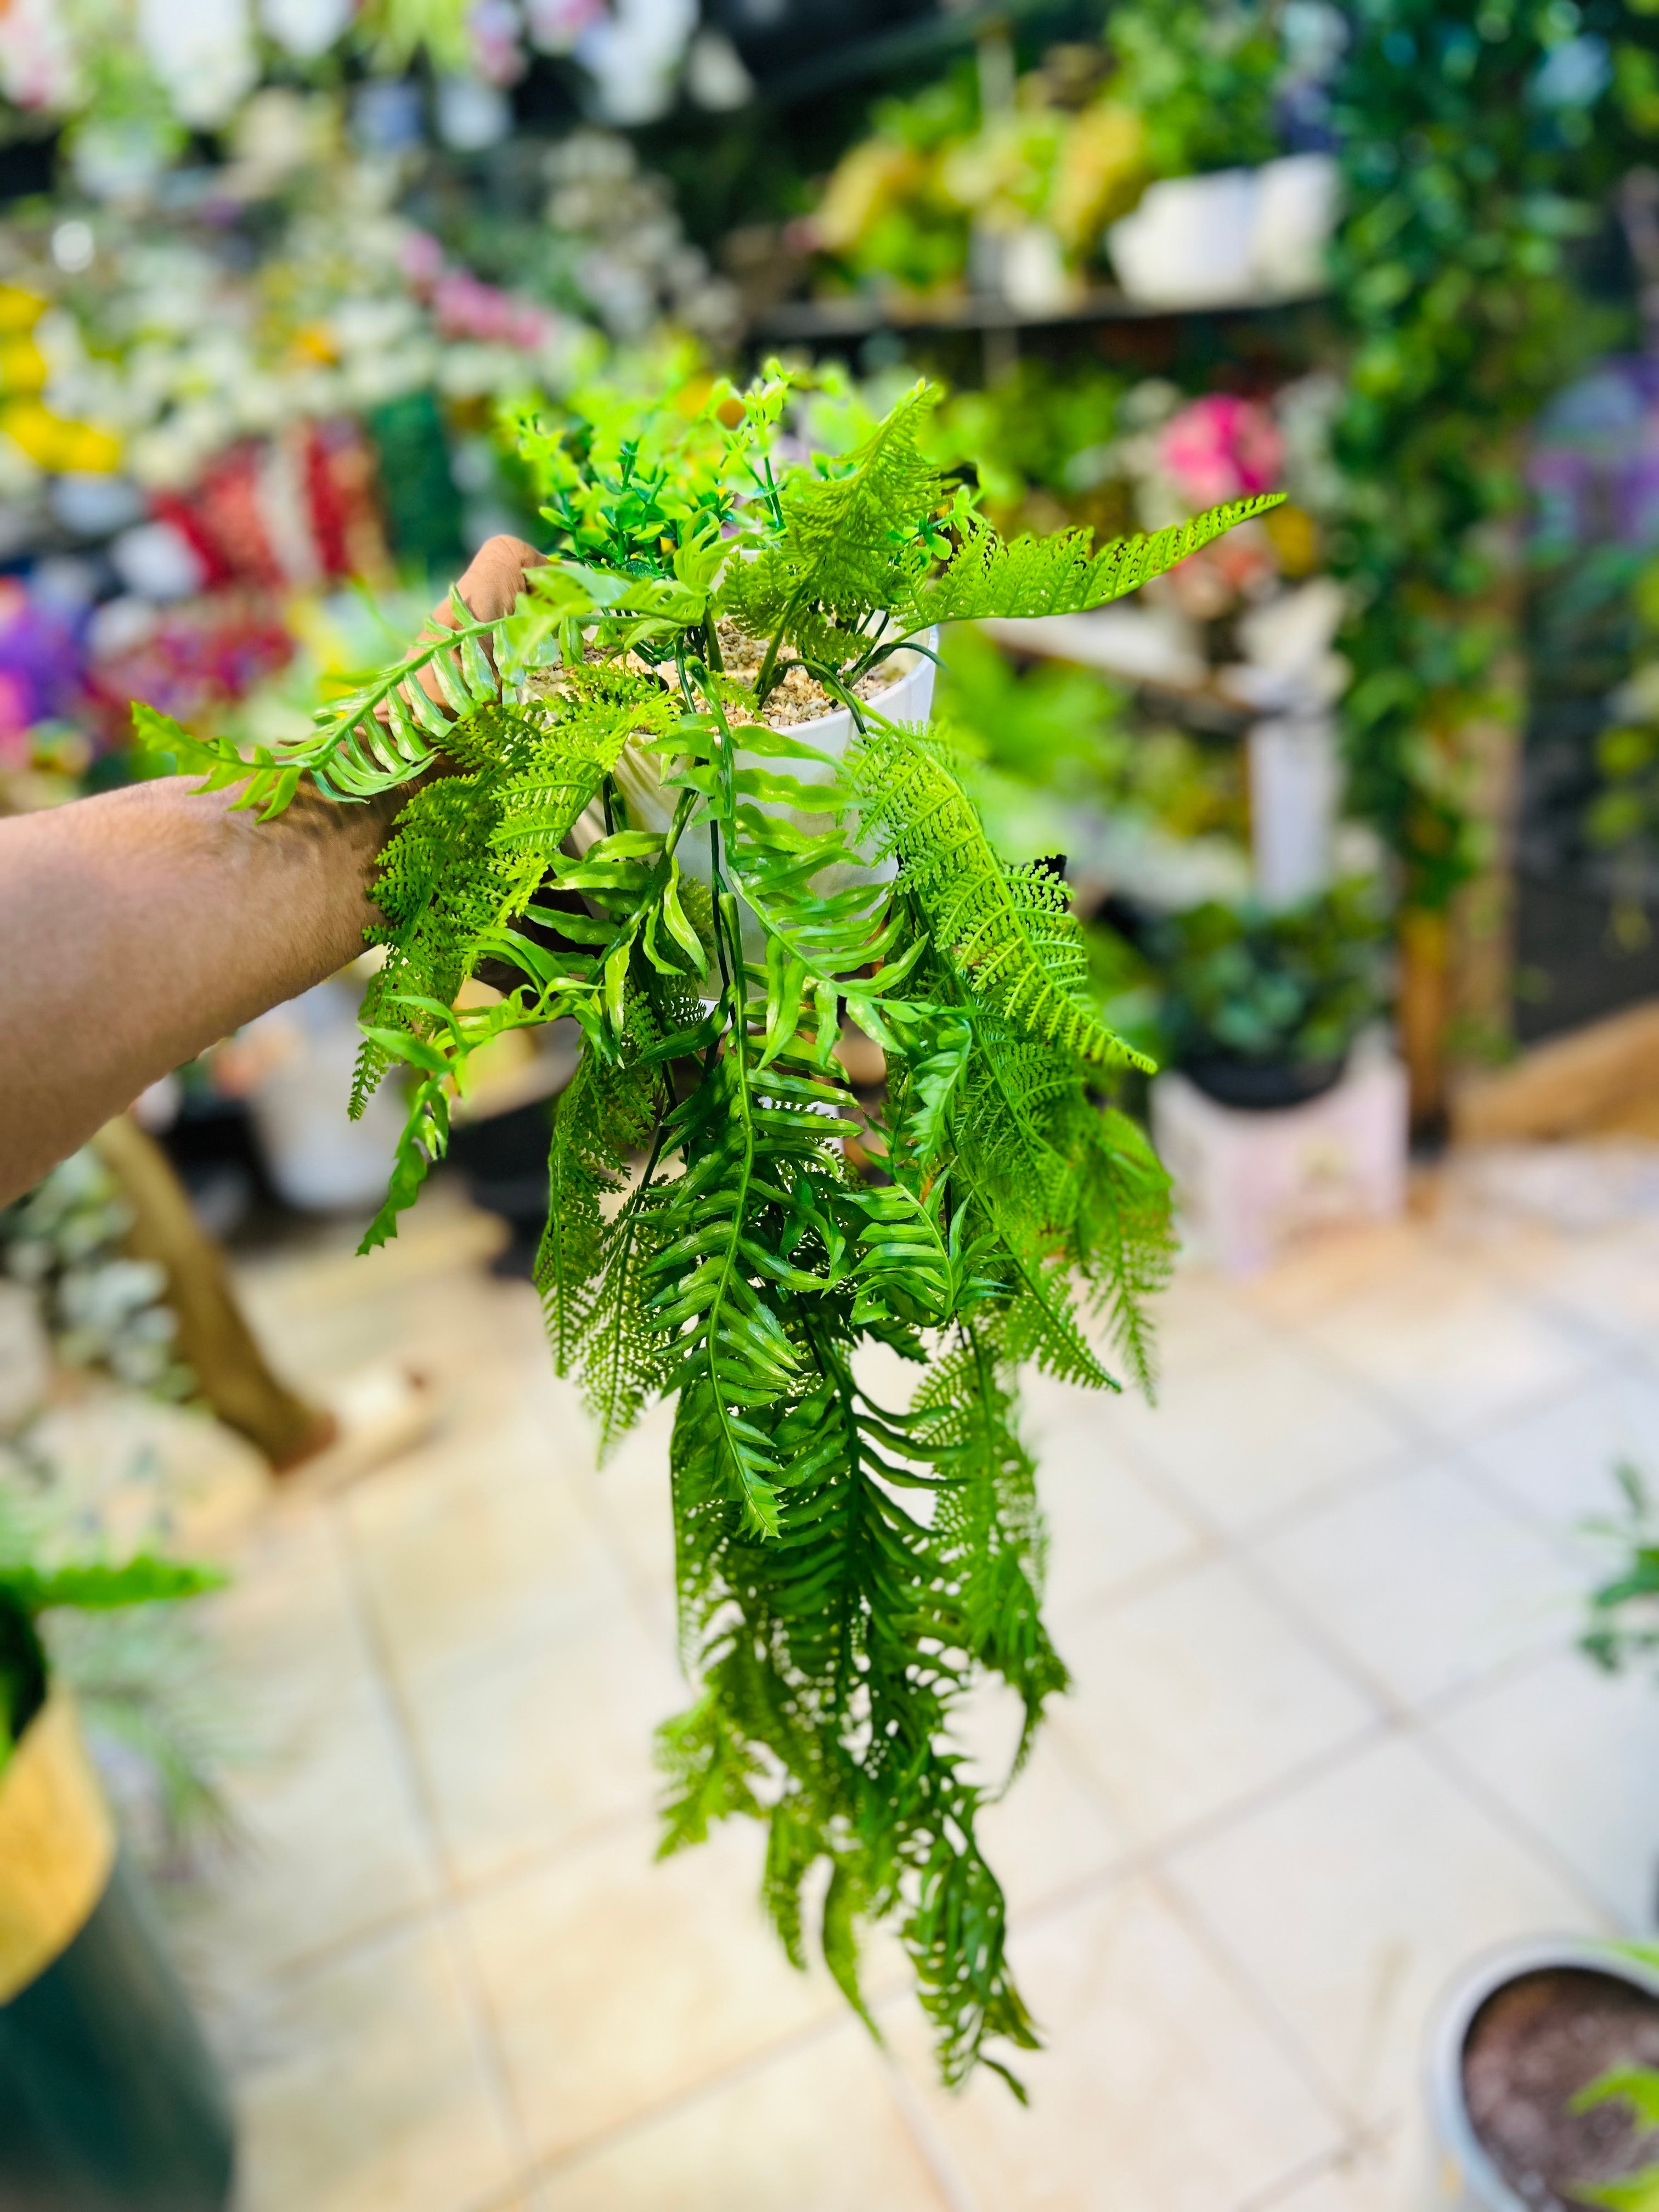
x,y
847,1569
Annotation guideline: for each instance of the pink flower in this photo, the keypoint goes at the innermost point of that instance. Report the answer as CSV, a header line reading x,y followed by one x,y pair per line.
x,y
555,26
1221,447
422,258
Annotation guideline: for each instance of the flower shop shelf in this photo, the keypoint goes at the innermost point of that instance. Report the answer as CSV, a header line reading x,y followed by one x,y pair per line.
x,y
801,321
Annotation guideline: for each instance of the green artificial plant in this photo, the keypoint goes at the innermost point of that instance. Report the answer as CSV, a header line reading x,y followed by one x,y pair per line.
x,y
28,1589
1624,1629
632,843
1286,986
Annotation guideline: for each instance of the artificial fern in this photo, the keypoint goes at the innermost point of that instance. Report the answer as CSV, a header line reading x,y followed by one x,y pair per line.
x,y
848,1567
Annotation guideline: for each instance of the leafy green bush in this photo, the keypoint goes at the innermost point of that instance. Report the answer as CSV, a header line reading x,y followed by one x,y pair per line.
x,y
1282,988
847,1568
28,1588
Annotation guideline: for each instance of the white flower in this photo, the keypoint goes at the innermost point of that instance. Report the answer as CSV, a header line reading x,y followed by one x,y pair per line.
x,y
304,27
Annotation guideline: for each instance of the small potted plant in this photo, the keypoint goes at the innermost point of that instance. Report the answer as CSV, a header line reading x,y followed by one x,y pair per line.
x,y
1543,2062
692,804
1259,1007
107,2094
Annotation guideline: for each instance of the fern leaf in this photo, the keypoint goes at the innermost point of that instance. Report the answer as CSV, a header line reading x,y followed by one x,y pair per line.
x,y
986,576
989,921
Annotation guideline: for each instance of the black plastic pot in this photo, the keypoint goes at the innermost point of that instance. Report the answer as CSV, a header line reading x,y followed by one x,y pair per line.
x,y
109,2099
1261,1086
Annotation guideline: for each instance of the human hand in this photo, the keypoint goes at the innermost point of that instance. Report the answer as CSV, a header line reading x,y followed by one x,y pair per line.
x,y
488,587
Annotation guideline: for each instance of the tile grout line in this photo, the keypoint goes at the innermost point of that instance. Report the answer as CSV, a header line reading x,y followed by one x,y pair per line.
x,y
1146,1858
1520,1831
928,2137
484,2030
1279,2030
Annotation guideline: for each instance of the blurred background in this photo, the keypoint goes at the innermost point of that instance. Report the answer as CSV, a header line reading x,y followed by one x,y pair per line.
x,y
1360,806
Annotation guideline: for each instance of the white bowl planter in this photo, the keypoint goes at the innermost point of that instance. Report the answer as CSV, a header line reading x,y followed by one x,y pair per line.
x,y
909,698
1229,239
1464,2176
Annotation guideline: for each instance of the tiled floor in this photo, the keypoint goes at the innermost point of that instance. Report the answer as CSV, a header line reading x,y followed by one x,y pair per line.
x,y
1329,1737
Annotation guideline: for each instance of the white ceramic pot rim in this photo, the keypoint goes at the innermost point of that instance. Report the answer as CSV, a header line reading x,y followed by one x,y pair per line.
x,y
909,698
1449,2030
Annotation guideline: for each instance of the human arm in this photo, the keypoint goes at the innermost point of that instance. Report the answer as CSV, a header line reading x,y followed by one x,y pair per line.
x,y
139,927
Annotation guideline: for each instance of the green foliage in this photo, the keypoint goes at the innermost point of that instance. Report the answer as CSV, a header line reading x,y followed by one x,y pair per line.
x,y
1624,1613
1291,985
1636,2088
29,1587
1465,192
848,1569
1201,76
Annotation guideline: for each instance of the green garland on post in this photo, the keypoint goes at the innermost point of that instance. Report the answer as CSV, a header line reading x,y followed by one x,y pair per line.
x,y
1475,145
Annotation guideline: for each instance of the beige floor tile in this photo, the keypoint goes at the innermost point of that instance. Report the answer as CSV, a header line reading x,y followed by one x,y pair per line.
x,y
1424,1581
365,2091
1558,1461
1328,1270
629,1495
1385,2177
618,1984
1574,1753
1107,1524
1200,1319
1609,1282
818,2130
1194,1694
480,1543
1264,1429
1351,1901
543,1740
1159,2090
1454,1351
1051,1831
335,1842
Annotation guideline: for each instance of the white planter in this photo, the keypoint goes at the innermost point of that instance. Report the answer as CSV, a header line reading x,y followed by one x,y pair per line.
x,y
909,699
1227,240
1250,1184
1295,783
320,1161
1296,209
1461,2177
1188,244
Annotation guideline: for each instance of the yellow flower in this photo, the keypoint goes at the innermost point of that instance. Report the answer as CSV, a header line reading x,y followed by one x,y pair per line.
x,y
18,310
23,365
1101,173
54,444
1295,537
867,181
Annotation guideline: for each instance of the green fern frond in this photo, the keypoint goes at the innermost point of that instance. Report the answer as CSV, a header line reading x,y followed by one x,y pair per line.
x,y
986,577
708,899
989,920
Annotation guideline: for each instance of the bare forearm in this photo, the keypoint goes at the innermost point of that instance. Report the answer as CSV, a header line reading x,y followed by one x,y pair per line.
x,y
139,927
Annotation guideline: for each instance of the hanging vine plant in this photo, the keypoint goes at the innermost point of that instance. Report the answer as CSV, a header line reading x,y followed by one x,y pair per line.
x,y
691,802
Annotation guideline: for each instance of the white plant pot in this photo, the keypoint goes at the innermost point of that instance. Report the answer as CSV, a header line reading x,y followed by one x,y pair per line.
x,y
1462,2176
650,806
1296,207
1188,243
1295,782
317,1159
1231,238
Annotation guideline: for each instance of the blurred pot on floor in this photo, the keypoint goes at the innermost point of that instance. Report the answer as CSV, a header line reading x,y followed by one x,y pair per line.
x,y
109,2100
1517,2039
1258,1004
